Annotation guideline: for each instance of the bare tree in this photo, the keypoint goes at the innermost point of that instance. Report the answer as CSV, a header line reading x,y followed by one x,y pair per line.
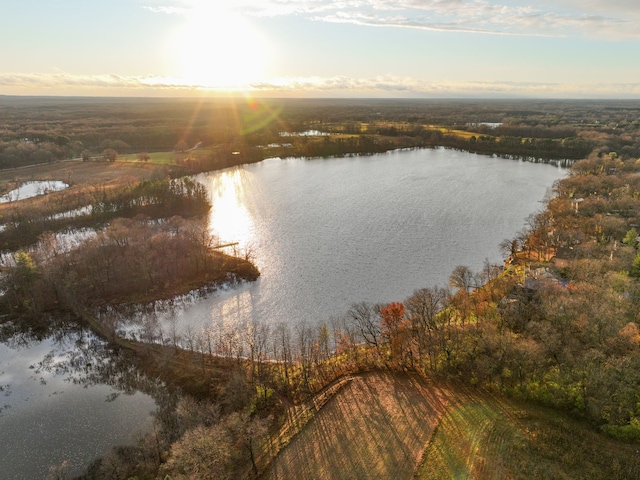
x,y
366,320
424,309
462,278
509,248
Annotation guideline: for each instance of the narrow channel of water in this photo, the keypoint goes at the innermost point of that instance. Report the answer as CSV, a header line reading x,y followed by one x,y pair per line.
x,y
33,189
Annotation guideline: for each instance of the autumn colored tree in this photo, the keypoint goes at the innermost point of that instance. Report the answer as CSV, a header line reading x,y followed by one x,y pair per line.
x,y
396,330
202,452
181,146
110,154
462,278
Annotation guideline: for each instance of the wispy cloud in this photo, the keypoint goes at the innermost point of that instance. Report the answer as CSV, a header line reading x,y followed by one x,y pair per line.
x,y
487,17
165,10
387,86
614,19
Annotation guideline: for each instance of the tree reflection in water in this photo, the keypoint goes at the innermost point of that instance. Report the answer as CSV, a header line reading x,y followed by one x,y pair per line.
x,y
77,382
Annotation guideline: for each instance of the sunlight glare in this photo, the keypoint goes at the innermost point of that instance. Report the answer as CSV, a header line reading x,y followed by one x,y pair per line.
x,y
217,48
229,218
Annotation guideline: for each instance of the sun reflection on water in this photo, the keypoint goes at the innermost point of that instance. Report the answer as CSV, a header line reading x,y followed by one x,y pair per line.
x,y
229,219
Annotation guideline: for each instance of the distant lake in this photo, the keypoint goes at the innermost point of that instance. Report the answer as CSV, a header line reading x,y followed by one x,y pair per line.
x,y
327,233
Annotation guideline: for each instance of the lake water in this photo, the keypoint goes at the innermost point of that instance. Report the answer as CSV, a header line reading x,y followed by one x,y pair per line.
x,y
327,233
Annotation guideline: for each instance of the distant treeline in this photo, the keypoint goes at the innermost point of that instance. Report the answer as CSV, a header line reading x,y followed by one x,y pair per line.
x,y
41,130
391,138
573,148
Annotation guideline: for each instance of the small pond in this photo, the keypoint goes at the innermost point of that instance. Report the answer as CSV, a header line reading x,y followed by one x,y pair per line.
x,y
33,189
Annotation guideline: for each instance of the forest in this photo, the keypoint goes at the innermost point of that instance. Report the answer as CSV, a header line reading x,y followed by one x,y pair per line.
x,y
40,130
557,325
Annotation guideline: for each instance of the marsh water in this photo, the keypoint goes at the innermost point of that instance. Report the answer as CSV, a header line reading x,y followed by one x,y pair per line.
x,y
325,233
33,189
65,398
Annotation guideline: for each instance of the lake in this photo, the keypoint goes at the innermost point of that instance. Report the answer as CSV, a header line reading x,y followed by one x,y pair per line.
x,y
327,233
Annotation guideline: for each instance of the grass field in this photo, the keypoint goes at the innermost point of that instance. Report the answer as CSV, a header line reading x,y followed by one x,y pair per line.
x,y
81,173
158,158
458,133
166,158
388,426
483,437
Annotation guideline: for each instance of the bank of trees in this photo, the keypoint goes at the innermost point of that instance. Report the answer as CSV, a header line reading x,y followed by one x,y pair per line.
x,y
145,241
25,151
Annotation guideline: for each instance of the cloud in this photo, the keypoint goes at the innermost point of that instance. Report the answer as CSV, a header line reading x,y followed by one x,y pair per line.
x,y
406,22
626,7
485,17
611,19
166,10
409,87
385,86
59,82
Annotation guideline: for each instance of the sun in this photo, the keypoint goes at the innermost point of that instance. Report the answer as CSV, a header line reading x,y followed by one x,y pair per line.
x,y
220,49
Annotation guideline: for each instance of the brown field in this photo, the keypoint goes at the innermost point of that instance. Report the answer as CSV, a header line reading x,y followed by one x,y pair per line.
x,y
374,427
390,426
458,133
83,173
81,176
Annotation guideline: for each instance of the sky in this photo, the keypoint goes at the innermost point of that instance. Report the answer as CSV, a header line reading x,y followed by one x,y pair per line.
x,y
321,48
